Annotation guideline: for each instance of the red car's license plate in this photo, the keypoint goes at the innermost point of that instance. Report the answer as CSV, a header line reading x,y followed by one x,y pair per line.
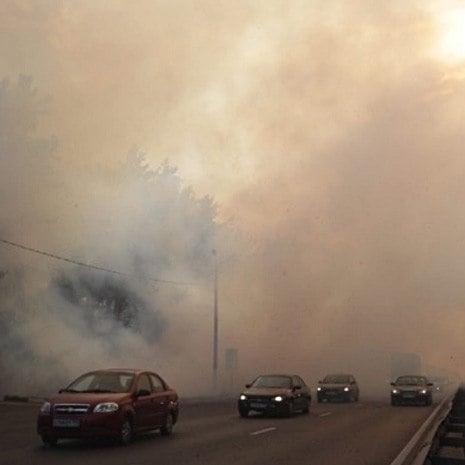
x,y
66,423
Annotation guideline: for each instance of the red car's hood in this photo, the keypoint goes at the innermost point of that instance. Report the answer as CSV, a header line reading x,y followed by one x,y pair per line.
x,y
88,397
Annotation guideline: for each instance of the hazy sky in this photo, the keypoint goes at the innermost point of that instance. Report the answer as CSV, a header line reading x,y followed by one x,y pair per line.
x,y
329,132
232,92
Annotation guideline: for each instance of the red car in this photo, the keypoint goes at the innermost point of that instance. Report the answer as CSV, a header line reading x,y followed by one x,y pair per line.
x,y
109,403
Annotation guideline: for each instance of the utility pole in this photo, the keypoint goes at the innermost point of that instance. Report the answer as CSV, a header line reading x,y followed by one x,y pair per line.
x,y
215,324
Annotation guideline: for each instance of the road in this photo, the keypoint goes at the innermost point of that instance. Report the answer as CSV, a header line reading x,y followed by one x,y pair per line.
x,y
365,433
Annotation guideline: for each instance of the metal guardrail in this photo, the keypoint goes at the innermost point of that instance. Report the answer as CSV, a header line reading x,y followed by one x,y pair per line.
x,y
421,441
441,439
447,445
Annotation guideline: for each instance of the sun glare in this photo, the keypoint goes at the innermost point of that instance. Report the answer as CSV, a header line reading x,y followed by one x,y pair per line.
x,y
451,43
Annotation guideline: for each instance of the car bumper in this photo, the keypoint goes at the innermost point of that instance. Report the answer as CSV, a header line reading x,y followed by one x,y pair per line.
x,y
264,406
336,395
406,398
92,425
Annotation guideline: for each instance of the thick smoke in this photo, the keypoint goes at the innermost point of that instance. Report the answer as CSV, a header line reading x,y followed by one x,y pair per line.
x,y
330,136
109,305
122,260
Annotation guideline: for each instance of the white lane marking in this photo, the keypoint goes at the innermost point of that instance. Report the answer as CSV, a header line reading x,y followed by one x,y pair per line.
x,y
261,431
325,414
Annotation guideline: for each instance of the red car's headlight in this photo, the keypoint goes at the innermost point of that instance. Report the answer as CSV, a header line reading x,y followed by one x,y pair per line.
x,y
46,407
106,407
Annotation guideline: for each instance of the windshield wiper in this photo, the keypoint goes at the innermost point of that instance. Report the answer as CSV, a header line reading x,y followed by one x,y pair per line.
x,y
69,390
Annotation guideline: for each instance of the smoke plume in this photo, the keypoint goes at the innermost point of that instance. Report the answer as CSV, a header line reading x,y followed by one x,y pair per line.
x,y
322,141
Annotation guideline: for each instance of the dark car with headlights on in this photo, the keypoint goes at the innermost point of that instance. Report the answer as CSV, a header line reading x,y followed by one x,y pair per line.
x,y
275,395
109,403
338,387
412,389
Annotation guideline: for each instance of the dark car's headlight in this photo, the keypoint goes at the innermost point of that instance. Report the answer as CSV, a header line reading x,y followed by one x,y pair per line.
x,y
395,391
278,398
106,407
46,408
423,391
318,388
346,389
242,397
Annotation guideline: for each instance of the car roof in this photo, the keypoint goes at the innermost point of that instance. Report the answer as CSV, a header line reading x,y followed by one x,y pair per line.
x,y
121,370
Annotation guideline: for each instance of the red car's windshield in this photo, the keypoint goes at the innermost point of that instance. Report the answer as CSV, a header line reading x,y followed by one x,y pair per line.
x,y
102,381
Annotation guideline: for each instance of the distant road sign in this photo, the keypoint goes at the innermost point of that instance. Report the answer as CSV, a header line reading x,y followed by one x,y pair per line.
x,y
230,359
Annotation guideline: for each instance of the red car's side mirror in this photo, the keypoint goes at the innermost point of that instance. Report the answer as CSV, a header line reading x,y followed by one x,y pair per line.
x,y
142,393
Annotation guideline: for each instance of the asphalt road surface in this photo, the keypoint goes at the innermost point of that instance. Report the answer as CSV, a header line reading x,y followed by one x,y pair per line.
x,y
363,433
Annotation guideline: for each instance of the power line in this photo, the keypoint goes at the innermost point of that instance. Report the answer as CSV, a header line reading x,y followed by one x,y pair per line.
x,y
86,265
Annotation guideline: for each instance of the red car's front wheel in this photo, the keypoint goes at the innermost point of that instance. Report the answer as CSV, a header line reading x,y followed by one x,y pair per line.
x,y
126,432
